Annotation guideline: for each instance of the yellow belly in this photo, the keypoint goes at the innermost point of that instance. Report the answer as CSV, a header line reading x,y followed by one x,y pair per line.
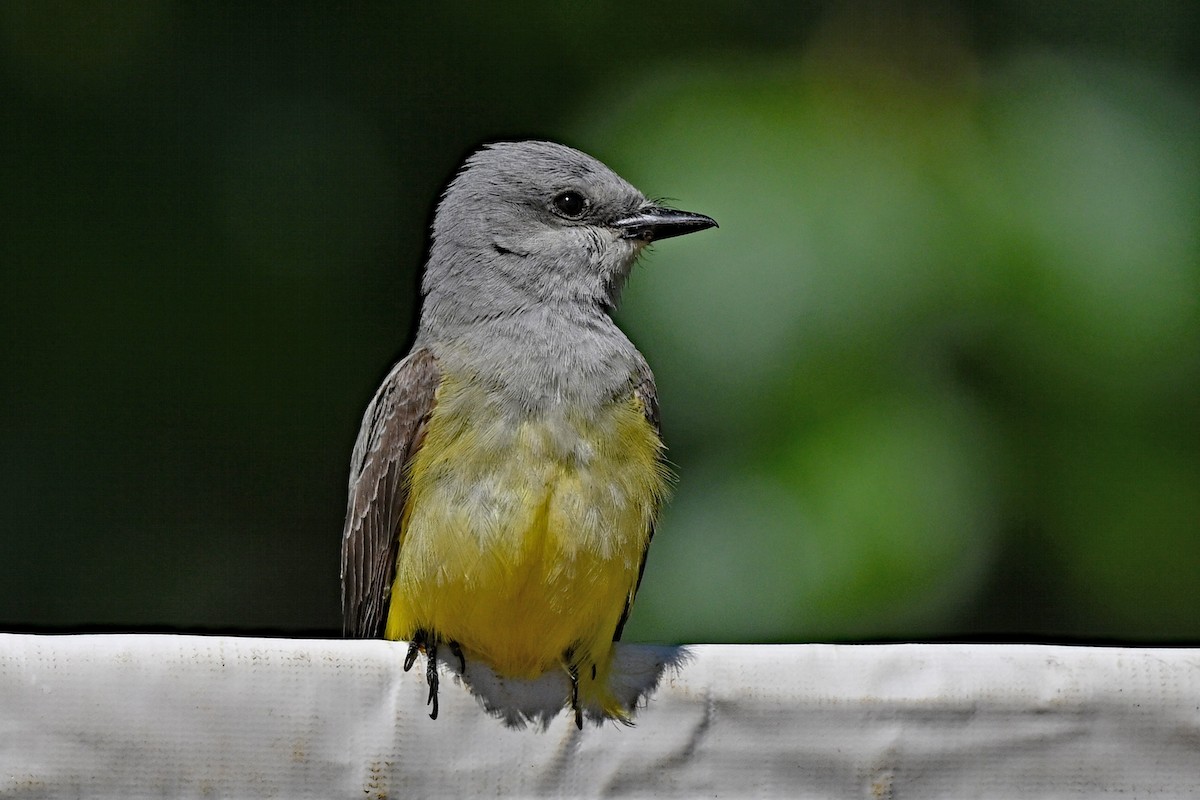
x,y
522,538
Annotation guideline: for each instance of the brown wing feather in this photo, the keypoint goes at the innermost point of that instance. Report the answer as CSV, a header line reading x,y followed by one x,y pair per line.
x,y
391,433
646,392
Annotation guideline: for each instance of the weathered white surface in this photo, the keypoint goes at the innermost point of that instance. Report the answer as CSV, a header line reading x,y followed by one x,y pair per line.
x,y
188,716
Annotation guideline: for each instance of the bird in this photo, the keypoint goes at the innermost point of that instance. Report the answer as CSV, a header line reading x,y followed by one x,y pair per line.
x,y
508,473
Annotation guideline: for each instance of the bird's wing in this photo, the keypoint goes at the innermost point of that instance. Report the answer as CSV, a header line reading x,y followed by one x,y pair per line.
x,y
393,428
647,394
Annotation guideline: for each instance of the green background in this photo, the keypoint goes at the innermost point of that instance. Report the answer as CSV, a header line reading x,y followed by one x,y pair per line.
x,y
936,375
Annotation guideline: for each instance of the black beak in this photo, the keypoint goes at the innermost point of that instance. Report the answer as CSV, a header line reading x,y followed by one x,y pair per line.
x,y
652,223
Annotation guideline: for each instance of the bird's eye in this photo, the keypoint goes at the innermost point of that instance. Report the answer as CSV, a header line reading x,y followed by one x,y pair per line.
x,y
570,204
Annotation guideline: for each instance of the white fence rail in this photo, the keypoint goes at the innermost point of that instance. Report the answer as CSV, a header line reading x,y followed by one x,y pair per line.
x,y
127,716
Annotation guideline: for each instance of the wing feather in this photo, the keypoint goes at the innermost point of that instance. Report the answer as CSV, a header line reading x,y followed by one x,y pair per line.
x,y
647,394
393,428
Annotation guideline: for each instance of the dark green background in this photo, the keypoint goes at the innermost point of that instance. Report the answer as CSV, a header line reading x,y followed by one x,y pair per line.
x,y
937,374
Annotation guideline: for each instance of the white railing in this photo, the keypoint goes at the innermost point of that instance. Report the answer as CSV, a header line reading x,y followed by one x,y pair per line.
x,y
125,716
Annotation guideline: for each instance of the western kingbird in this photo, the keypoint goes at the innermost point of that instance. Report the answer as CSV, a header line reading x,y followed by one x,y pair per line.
x,y
507,475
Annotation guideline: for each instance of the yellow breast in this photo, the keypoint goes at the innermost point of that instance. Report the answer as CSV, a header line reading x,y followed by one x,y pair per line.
x,y
522,536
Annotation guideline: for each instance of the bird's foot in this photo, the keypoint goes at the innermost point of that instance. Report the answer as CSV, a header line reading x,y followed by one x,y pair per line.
x,y
431,677
411,657
424,641
458,653
573,673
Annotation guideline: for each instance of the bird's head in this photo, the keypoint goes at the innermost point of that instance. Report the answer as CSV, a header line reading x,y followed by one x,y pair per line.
x,y
527,223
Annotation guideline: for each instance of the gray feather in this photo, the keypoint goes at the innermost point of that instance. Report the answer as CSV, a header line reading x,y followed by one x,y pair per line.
x,y
520,296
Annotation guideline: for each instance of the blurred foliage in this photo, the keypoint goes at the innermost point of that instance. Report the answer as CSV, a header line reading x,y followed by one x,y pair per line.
x,y
935,375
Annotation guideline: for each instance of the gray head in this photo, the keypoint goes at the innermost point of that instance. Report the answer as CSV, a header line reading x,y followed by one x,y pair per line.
x,y
525,224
